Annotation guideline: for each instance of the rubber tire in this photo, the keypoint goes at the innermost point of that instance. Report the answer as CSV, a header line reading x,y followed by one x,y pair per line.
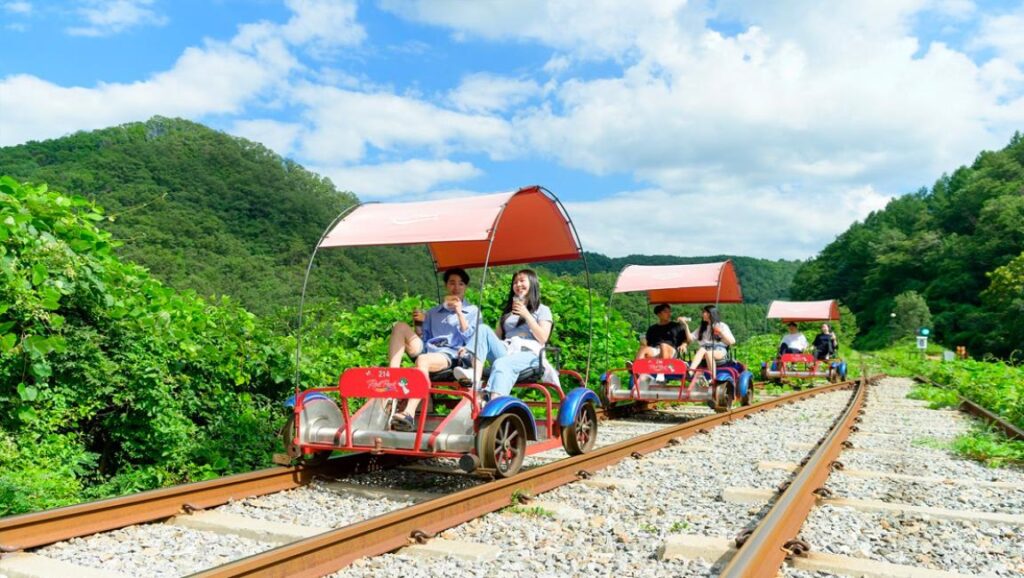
x,y
486,440
728,395
584,423
292,450
749,397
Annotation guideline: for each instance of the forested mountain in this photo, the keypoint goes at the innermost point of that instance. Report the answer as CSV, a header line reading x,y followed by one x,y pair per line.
x,y
218,214
960,246
221,215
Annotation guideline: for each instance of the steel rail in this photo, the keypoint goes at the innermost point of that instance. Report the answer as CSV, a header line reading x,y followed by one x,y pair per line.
x,y
328,552
967,406
775,537
49,526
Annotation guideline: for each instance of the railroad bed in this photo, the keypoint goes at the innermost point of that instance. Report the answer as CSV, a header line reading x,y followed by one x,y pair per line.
x,y
897,505
617,522
187,544
963,517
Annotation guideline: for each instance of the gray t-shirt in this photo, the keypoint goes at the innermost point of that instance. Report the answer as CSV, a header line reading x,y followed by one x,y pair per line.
x,y
511,327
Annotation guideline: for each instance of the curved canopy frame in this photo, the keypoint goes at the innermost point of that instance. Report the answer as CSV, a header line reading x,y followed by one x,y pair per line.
x,y
695,283
787,311
464,232
526,226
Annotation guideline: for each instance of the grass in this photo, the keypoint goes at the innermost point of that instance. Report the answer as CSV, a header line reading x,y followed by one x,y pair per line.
x,y
994,384
930,442
531,511
990,448
937,397
680,526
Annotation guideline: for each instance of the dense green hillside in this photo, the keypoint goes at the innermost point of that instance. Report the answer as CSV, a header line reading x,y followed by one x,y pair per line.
x,y
960,246
221,215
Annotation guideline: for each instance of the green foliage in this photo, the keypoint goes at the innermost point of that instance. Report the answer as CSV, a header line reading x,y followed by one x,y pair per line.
x,y
530,511
679,526
1004,298
990,447
109,378
937,397
947,245
911,314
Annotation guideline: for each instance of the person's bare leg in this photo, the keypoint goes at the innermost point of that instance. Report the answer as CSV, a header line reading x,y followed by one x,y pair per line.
x,y
667,351
403,340
427,363
698,358
645,352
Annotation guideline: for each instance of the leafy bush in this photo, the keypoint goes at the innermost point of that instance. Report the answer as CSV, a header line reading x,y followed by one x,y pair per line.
x,y
108,378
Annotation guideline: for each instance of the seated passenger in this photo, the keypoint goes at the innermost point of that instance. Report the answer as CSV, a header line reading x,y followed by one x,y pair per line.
x,y
792,342
435,343
825,343
715,339
663,338
515,345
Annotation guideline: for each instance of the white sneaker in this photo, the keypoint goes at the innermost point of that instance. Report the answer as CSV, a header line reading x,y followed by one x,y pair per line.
x,y
660,378
463,374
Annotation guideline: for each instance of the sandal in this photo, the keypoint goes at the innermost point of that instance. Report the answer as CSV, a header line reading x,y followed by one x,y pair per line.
x,y
404,423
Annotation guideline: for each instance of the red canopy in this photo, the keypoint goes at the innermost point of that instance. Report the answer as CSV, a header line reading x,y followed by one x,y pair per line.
x,y
698,283
804,310
527,226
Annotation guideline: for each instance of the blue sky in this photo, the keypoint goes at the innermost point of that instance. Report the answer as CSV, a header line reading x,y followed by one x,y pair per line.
x,y
667,126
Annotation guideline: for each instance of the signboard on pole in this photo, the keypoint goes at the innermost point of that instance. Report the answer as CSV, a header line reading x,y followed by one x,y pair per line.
x,y
922,342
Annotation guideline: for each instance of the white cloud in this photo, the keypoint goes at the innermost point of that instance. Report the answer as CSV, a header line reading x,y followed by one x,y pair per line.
x,y
411,177
1005,34
324,24
654,221
18,7
106,17
960,9
278,136
587,28
344,123
484,92
217,78
779,106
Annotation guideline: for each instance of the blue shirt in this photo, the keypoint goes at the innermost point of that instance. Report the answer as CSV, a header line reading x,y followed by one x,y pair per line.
x,y
441,330
511,327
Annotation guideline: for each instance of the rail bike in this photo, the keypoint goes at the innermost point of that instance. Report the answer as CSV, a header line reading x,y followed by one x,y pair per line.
x,y
632,385
790,366
487,437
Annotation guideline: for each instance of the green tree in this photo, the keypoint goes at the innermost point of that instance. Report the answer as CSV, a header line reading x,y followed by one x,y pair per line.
x,y
911,313
942,244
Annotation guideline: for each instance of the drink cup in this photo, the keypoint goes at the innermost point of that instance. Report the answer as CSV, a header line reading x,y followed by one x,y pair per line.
x,y
417,320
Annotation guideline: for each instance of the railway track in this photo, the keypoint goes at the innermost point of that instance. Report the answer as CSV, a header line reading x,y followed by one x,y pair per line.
x,y
194,500
878,496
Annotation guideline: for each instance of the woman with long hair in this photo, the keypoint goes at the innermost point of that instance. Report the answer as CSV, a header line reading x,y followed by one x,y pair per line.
x,y
522,330
715,339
